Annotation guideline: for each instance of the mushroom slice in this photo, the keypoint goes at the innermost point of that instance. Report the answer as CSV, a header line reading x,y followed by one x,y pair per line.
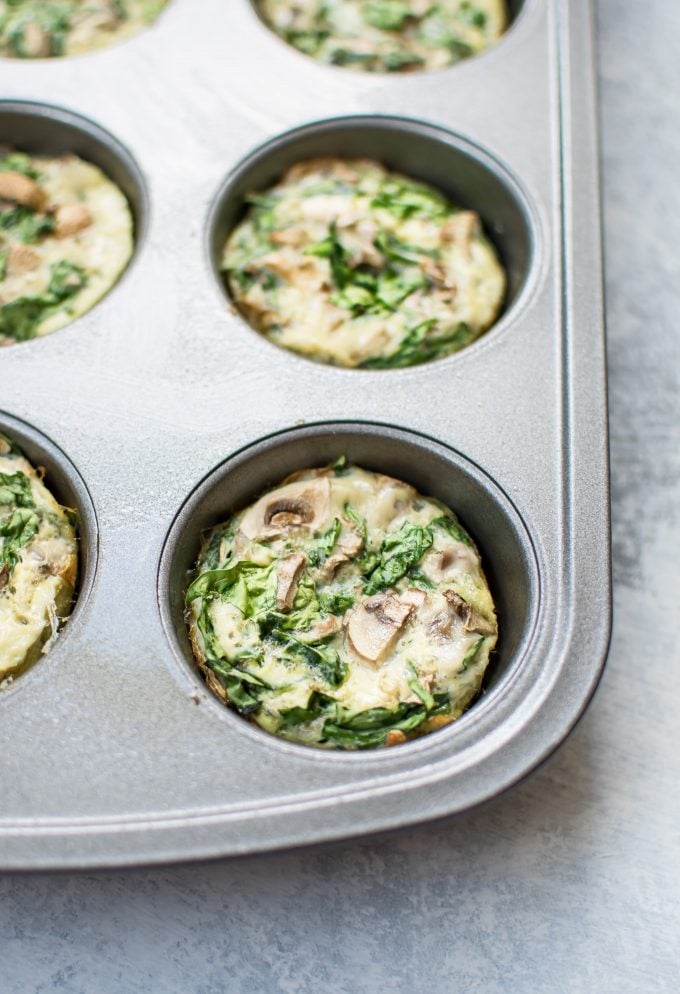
x,y
288,574
374,625
21,259
473,620
301,505
414,597
21,190
70,219
349,546
322,629
461,228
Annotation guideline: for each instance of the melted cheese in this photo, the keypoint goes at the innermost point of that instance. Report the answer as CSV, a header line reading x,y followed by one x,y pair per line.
x,y
438,636
36,594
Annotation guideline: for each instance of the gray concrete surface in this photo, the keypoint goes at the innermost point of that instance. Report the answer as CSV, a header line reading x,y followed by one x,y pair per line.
x,y
571,883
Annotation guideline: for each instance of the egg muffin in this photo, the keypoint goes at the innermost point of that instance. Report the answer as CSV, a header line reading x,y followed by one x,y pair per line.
x,y
38,562
348,263
34,29
387,35
66,235
342,609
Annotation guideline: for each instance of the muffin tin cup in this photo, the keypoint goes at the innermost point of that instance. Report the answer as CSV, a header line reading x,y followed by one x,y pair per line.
x,y
466,173
44,129
64,482
163,382
435,470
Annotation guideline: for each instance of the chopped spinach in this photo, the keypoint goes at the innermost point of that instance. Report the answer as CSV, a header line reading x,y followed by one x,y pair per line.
x,y
321,658
326,544
317,705
15,488
18,162
371,728
26,225
420,346
399,552
452,526
16,531
19,319
245,691
335,603
471,655
405,198
388,15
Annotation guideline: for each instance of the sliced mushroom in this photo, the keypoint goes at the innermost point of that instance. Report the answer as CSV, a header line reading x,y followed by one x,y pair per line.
x,y
22,190
461,228
322,629
37,43
413,596
473,620
4,576
325,573
70,219
288,574
437,274
294,236
301,505
349,546
442,565
326,165
374,625
21,259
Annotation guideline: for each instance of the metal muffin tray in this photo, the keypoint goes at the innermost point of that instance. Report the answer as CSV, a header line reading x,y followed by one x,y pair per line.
x,y
161,411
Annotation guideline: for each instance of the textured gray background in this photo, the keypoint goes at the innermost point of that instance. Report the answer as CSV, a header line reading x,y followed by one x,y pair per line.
x,y
569,884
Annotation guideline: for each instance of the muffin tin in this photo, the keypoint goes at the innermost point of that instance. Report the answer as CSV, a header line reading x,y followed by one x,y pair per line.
x,y
160,411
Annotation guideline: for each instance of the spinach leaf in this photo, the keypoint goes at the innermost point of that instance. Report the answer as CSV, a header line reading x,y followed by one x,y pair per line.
x,y
316,706
306,610
18,162
418,579
309,41
370,728
321,658
248,586
336,602
66,280
419,346
392,287
16,532
53,18
25,224
472,15
420,691
397,251
15,488
20,317
399,552
395,61
471,655
338,257
404,199
245,691
388,15
452,526
326,544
